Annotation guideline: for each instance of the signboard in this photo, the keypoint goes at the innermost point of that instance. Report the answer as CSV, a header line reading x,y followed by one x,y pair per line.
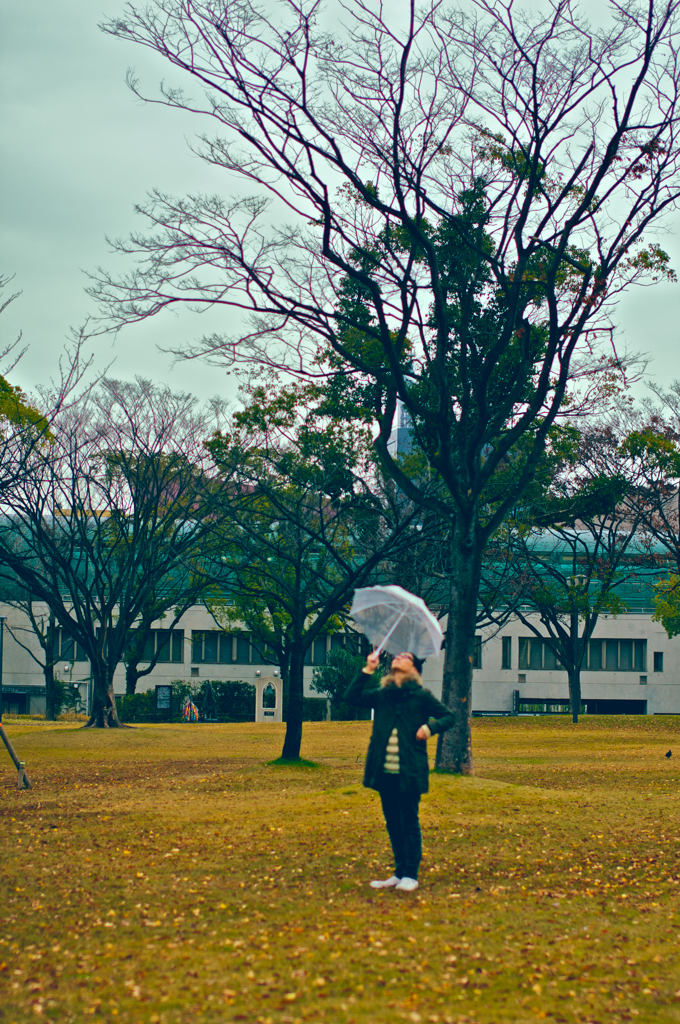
x,y
269,714
163,699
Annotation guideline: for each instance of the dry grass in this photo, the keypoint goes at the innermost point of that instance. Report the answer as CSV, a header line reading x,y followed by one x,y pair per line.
x,y
168,874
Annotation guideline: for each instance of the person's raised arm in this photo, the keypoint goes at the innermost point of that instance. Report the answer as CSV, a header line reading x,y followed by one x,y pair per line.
x,y
372,662
355,691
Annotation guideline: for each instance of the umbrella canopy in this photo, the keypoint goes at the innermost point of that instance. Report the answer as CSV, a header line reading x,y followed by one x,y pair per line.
x,y
397,621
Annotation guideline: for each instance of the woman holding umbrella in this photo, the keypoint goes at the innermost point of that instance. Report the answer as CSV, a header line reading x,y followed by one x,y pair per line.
x,y
405,716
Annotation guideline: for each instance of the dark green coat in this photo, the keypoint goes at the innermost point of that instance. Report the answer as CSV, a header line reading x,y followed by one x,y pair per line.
x,y
407,707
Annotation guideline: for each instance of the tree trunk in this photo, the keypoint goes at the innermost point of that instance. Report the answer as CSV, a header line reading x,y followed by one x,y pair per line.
x,y
131,677
293,738
575,692
48,669
51,710
103,714
454,748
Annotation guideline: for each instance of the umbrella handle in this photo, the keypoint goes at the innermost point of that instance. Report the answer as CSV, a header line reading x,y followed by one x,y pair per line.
x,y
380,649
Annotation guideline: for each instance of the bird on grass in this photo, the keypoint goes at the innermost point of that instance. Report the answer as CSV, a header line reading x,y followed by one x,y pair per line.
x,y
669,754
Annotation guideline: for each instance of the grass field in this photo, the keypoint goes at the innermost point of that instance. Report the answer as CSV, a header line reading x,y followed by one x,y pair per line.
x,y
168,874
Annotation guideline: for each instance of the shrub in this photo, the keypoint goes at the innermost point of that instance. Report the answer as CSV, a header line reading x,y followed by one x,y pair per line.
x,y
216,702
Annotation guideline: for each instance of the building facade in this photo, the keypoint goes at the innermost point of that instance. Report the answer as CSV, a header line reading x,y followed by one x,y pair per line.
x,y
631,668
195,650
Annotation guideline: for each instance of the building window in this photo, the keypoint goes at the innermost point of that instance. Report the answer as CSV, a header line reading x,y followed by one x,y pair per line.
x,y
320,650
618,656
242,650
658,661
211,647
317,651
167,645
506,661
477,656
66,648
535,653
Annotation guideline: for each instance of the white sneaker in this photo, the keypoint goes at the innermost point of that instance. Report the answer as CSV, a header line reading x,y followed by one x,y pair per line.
x,y
407,885
387,883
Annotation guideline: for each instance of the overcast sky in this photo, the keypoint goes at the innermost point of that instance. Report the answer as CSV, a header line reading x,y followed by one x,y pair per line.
x,y
78,150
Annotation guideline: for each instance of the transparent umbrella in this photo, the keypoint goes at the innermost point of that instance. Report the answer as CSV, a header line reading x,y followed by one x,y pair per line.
x,y
397,621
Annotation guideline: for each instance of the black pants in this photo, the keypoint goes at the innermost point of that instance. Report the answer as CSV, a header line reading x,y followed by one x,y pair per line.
x,y
400,807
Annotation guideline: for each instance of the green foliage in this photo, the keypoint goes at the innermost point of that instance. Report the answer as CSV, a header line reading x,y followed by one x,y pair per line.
x,y
137,707
658,450
654,262
16,411
224,701
333,678
314,709
667,605
67,697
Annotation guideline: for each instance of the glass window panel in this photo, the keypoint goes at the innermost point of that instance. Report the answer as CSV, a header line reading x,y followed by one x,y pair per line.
x,y
210,640
178,645
163,645
477,657
641,656
226,645
356,643
595,659
612,653
626,656
549,658
257,652
507,652
658,659
196,645
308,655
81,654
535,654
337,640
523,652
67,652
243,650
320,651
149,645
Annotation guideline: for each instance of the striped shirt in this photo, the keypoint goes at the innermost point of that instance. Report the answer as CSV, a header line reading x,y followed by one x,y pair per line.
x,y
392,754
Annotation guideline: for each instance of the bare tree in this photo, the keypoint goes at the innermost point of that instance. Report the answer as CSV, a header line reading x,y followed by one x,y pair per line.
x,y
25,420
119,500
42,625
440,211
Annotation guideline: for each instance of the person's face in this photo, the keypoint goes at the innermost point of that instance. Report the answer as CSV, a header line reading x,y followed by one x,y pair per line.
x,y
402,663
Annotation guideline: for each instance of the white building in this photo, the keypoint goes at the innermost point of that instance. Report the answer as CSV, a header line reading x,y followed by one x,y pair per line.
x,y
196,651
632,666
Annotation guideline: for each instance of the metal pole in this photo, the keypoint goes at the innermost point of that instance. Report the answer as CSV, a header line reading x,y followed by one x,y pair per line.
x,y
22,778
2,634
